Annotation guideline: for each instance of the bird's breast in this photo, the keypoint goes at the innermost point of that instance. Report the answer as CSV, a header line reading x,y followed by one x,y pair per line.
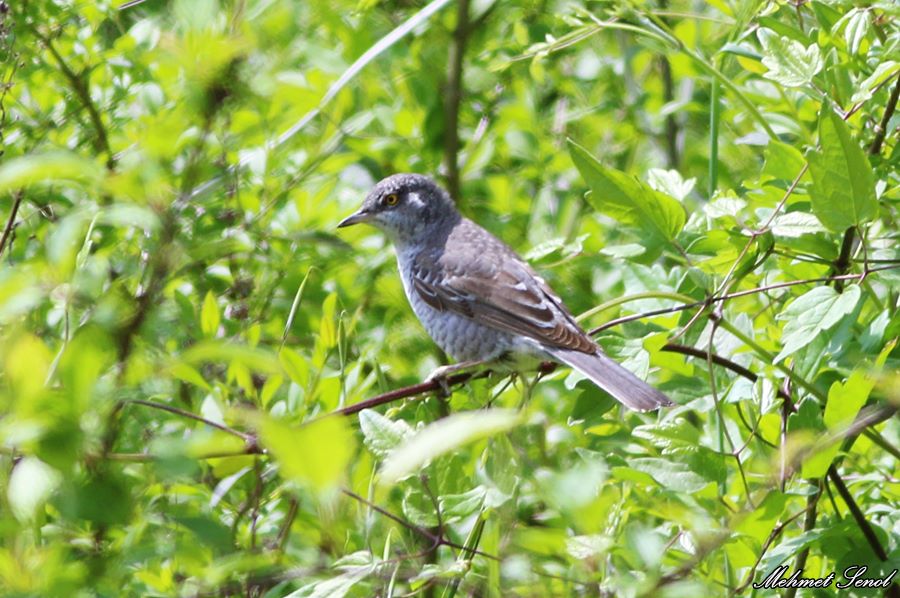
x,y
458,336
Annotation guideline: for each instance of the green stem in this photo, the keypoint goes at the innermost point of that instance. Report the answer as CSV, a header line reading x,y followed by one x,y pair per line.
x,y
629,298
713,140
472,541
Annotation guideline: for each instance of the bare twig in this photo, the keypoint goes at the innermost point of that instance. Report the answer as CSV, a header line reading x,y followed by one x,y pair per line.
x,y
189,415
776,531
11,222
438,540
857,514
720,298
882,127
809,522
284,532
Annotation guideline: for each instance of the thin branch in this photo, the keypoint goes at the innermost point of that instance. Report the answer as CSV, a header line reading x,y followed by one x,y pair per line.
x,y
857,514
715,358
879,440
439,540
809,522
776,531
882,127
11,222
148,457
720,298
548,367
842,263
84,95
189,415
454,93
284,532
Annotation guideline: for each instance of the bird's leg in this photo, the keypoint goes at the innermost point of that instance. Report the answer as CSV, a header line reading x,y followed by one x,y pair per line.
x,y
441,374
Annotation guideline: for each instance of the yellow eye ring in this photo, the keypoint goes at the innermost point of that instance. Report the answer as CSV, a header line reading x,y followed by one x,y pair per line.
x,y
391,199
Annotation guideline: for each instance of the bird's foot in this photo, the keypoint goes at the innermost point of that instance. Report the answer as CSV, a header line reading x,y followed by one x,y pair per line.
x,y
442,374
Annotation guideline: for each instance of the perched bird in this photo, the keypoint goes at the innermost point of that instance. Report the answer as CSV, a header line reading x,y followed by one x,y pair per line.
x,y
477,299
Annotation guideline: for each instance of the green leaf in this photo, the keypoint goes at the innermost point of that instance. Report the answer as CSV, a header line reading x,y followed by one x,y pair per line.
x,y
256,359
442,436
812,313
670,182
789,63
588,547
783,162
47,168
209,315
623,197
843,193
294,366
382,434
856,27
845,399
335,587
30,485
669,474
209,532
327,330
314,454
795,224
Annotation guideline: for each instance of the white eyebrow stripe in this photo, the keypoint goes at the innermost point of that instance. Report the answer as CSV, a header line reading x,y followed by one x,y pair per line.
x,y
415,199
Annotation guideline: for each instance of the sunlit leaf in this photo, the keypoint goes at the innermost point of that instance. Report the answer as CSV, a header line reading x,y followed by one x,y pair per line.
x,y
670,475
442,436
843,183
30,485
626,199
314,454
47,168
788,61
209,315
381,434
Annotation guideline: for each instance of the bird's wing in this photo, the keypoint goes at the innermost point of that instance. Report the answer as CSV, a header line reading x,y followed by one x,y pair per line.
x,y
482,279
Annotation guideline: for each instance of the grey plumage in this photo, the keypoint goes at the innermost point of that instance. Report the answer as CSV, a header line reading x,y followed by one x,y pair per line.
x,y
476,298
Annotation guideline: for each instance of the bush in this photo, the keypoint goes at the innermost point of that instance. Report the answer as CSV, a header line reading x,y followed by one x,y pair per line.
x,y
187,341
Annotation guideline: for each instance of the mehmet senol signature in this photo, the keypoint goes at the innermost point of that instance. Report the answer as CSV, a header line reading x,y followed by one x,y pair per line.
x,y
853,576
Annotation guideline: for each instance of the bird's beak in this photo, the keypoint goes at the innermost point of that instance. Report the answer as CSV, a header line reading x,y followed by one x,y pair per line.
x,y
355,218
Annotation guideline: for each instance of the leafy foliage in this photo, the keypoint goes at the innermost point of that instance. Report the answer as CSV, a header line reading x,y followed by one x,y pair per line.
x,y
206,390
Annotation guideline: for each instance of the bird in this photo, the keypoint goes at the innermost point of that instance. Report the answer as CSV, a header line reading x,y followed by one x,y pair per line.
x,y
477,299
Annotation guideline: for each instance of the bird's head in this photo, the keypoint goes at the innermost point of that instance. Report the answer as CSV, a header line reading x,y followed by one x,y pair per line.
x,y
406,207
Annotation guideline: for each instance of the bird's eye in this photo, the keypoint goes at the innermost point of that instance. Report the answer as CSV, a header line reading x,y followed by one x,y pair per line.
x,y
391,199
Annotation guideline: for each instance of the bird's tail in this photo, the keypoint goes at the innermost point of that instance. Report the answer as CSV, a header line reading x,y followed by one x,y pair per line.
x,y
624,386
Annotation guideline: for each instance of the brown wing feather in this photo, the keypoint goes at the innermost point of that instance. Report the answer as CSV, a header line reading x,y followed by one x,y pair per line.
x,y
486,281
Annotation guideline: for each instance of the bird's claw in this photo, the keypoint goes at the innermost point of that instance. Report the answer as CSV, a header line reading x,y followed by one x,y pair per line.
x,y
439,376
